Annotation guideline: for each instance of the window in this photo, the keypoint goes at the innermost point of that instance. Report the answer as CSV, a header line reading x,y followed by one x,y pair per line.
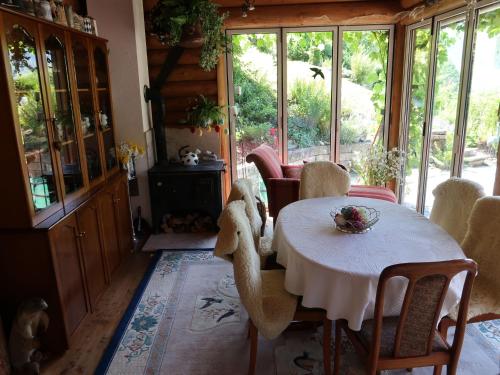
x,y
450,124
284,91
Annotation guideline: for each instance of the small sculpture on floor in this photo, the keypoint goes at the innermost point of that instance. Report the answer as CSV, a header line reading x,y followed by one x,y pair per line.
x,y
30,322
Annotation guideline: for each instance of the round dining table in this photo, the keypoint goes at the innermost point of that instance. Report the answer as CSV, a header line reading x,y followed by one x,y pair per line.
x,y
339,271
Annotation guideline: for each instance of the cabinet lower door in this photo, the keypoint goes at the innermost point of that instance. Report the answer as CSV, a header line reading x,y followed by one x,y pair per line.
x,y
109,226
93,256
64,238
123,217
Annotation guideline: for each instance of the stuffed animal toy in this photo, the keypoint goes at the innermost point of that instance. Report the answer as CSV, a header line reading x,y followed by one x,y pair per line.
x,y
187,157
31,320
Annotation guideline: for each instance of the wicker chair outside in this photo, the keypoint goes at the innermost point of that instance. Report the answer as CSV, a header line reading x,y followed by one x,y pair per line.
x,y
412,340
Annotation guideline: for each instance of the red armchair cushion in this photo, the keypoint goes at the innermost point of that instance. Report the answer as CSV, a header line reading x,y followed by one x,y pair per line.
x,y
375,192
292,171
267,162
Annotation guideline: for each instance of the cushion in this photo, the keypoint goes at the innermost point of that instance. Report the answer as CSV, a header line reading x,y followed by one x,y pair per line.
x,y
389,327
375,192
292,171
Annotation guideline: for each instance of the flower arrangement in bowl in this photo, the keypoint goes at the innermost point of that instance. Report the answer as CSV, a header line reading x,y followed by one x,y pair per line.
x,y
355,219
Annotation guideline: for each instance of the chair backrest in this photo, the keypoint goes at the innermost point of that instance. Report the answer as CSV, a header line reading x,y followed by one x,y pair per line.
x,y
482,241
453,203
323,179
242,190
427,287
235,241
267,162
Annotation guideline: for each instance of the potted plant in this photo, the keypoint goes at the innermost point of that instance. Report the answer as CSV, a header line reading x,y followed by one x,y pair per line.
x,y
205,115
191,24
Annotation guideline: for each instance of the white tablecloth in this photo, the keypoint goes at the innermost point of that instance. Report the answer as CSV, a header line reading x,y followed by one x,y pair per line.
x,y
339,272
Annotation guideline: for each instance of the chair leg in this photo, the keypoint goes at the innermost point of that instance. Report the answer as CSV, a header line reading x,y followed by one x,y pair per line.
x,y
254,336
437,370
327,340
336,359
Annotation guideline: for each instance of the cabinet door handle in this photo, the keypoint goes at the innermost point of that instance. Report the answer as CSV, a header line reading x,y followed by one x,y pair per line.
x,y
116,200
81,234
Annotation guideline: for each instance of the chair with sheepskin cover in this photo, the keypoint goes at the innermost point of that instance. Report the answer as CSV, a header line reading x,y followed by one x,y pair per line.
x,y
323,179
242,190
270,307
453,204
482,243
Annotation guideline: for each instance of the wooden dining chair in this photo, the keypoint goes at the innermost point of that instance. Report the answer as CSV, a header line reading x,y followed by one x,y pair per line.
x,y
270,307
453,202
323,179
412,339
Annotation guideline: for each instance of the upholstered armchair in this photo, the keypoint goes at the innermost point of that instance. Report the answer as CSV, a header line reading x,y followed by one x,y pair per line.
x,y
283,181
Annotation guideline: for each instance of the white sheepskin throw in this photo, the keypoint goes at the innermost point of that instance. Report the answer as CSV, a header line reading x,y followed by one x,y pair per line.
x,y
242,190
453,204
323,179
482,243
269,305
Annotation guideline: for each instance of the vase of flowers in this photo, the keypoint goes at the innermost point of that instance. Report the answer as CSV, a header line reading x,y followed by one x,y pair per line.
x,y
128,152
377,166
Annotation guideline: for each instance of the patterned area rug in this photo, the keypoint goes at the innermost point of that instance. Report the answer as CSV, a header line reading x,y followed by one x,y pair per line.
x,y
186,318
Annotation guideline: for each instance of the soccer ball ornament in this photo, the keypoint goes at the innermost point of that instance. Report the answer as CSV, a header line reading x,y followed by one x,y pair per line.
x,y
187,157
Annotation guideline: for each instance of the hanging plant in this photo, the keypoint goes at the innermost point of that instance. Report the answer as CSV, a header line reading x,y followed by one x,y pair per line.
x,y
205,115
190,23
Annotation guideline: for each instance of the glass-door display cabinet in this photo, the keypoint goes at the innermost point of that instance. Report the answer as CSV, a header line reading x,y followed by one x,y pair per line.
x,y
65,213
57,87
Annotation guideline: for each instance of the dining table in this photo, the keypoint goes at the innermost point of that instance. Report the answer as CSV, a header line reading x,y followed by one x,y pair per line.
x,y
339,272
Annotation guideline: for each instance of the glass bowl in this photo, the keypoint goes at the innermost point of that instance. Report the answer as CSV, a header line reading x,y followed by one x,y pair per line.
x,y
347,224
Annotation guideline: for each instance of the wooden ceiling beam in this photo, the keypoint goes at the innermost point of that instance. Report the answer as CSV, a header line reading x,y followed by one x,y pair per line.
x,y
343,13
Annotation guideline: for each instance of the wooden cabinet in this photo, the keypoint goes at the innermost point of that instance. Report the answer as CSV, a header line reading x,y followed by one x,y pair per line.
x,y
109,223
69,270
65,224
58,94
90,236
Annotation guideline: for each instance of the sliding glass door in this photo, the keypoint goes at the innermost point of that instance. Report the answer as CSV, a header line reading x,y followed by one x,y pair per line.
x,y
364,95
309,67
254,100
451,102
284,90
417,71
482,134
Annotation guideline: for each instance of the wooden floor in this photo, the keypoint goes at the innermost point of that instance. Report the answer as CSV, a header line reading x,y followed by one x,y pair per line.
x,y
95,333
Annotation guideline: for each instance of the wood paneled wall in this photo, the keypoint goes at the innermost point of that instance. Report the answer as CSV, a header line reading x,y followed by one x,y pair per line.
x,y
185,83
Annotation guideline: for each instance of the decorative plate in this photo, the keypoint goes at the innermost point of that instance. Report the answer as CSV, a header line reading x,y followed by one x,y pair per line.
x,y
355,219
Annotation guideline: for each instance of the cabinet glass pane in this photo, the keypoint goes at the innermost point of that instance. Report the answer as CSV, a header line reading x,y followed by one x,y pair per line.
x,y
309,89
362,102
445,106
483,120
25,72
62,112
87,118
104,102
421,41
